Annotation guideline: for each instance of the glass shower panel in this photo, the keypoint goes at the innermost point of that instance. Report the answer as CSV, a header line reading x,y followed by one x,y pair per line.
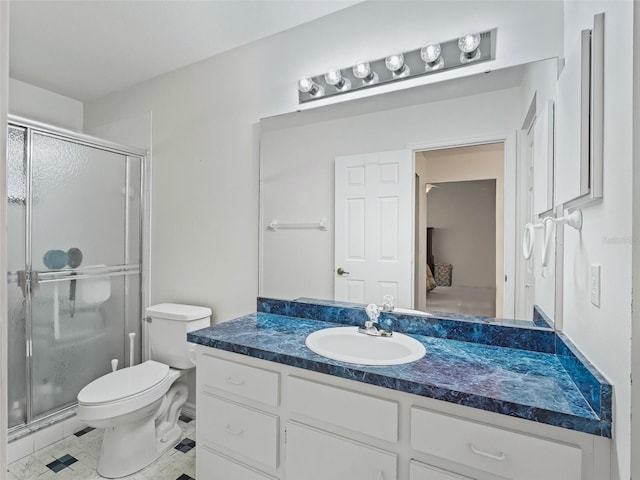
x,y
71,351
79,196
79,200
16,246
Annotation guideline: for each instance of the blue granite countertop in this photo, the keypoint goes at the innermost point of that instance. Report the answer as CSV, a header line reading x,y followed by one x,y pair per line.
x,y
544,379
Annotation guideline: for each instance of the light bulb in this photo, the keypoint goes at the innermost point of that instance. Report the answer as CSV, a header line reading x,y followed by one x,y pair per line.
x,y
430,54
468,45
307,85
363,72
335,78
395,63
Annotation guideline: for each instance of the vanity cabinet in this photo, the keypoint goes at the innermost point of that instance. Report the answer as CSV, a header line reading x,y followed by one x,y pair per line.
x,y
260,420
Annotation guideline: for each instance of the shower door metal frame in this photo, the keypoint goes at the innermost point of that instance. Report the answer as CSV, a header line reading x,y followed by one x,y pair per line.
x,y
124,270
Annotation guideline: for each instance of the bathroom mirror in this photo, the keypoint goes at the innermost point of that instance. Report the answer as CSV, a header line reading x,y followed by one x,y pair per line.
x,y
449,134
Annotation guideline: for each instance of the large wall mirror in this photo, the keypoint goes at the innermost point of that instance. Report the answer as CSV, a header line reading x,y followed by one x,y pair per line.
x,y
422,193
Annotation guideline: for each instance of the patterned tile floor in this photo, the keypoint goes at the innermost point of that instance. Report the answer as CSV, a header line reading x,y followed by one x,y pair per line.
x,y
76,458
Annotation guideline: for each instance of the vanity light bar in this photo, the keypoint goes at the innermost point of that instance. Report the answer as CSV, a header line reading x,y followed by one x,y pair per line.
x,y
427,60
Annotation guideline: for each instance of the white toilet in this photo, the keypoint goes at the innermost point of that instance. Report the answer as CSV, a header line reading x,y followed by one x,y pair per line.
x,y
138,407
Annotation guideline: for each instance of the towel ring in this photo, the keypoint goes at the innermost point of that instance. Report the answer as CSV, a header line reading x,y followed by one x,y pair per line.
x,y
529,239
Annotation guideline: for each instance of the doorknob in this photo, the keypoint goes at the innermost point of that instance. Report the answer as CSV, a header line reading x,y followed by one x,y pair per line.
x,y
341,271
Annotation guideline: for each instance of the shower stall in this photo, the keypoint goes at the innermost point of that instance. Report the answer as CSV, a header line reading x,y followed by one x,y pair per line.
x,y
75,232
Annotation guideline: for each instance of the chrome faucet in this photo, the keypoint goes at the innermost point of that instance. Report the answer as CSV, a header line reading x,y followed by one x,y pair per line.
x,y
372,326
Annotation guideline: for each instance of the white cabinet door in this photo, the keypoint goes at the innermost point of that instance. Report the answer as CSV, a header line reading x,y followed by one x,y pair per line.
x,y
421,471
238,430
502,452
374,227
316,455
213,466
344,408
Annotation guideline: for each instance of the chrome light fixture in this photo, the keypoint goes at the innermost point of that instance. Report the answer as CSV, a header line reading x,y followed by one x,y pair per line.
x,y
469,47
363,72
431,56
307,85
335,79
395,64
430,59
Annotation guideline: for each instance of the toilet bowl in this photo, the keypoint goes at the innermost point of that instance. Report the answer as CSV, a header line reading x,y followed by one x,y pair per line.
x,y
138,406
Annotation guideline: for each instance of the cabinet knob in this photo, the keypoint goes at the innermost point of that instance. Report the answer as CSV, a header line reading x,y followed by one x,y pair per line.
x,y
233,431
234,381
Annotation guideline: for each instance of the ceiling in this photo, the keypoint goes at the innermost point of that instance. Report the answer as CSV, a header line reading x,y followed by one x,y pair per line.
x,y
85,49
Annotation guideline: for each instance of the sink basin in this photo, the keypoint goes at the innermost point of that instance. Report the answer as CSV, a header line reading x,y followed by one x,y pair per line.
x,y
345,344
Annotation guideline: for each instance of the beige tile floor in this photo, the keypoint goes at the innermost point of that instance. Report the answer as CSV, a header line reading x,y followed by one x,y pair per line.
x,y
85,449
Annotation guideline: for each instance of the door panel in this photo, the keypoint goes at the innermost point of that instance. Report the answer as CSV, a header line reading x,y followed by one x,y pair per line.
x,y
374,227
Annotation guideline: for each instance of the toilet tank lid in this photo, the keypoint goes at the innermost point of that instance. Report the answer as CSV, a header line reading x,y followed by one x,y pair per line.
x,y
176,311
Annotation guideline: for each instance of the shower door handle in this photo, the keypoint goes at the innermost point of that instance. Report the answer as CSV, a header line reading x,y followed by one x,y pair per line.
x,y
26,280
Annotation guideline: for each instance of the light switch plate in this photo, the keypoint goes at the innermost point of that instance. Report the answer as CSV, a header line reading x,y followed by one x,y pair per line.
x,y
595,285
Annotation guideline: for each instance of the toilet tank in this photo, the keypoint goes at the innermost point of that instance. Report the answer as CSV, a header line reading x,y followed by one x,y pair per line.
x,y
167,328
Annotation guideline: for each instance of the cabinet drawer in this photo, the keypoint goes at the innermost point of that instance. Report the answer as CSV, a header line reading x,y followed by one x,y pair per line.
x,y
212,466
494,450
358,412
248,382
421,471
241,430
316,455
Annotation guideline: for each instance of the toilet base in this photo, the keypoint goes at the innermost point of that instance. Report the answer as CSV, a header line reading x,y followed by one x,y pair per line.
x,y
132,445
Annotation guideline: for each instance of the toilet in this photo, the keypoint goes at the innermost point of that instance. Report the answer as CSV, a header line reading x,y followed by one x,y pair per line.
x,y
138,407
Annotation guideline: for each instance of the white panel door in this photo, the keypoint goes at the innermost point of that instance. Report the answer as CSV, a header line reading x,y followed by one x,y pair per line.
x,y
374,227
313,454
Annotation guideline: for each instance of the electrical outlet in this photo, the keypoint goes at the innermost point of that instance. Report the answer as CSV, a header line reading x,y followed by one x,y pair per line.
x,y
595,285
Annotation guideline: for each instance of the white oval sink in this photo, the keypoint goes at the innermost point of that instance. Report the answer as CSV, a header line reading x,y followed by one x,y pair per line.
x,y
346,344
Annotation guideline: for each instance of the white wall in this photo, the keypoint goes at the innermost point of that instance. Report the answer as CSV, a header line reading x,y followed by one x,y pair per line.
x,y
635,350
463,215
603,333
205,143
297,172
539,80
38,104
4,108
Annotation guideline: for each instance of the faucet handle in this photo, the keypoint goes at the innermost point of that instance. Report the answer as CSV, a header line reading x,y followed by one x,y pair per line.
x,y
388,303
373,312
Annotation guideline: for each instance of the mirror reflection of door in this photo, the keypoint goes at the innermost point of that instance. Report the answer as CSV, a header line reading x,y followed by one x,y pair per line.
x,y
461,218
373,224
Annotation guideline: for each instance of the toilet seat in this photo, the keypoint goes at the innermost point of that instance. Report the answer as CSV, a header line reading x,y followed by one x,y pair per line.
x,y
123,383
125,391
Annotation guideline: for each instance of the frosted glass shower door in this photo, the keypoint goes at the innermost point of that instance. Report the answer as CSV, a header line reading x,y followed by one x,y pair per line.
x,y
82,198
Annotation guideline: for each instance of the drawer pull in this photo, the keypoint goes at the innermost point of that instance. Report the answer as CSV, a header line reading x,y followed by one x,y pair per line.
x,y
235,381
500,457
381,475
233,431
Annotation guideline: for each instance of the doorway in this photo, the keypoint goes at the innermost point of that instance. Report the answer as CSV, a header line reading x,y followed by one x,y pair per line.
x,y
459,260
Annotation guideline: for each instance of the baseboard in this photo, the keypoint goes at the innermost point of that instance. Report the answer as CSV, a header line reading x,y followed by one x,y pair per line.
x,y
189,409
